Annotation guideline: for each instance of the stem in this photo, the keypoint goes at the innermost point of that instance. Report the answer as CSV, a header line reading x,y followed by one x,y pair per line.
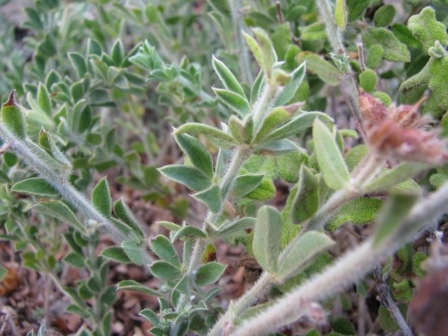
x,y
348,269
388,303
348,84
249,298
244,59
241,154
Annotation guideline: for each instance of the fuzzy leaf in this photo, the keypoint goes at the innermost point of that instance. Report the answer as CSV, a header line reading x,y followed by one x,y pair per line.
x,y
35,186
314,31
267,238
356,8
46,142
150,316
135,252
211,197
236,102
437,82
242,131
291,88
235,226
227,77
266,49
137,287
297,124
209,273
266,190
384,15
394,176
101,199
427,29
165,271
392,216
44,99
191,177
12,116
123,212
327,72
217,137
329,157
197,153
375,56
306,202
245,184
394,50
302,253
359,211
162,246
188,232
117,254
341,13
78,63
275,118
60,211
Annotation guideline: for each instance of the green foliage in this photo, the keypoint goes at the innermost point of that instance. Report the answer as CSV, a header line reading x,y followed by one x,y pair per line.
x,y
87,98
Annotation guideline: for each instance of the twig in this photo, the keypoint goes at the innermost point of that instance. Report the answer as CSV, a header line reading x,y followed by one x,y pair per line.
x,y
388,303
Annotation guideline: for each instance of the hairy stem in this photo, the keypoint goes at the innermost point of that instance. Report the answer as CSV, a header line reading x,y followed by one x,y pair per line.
x,y
249,298
348,84
348,269
388,303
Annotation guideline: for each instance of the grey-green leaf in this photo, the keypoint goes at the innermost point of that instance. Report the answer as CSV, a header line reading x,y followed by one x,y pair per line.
x,y
117,254
329,157
227,77
137,287
235,226
123,212
209,273
215,136
189,232
291,88
60,211
101,199
267,238
191,177
306,201
394,50
245,184
35,186
165,271
162,246
212,197
135,252
233,100
197,153
302,252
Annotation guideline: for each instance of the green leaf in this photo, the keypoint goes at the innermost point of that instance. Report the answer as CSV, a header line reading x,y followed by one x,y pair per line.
x,y
267,238
215,136
74,260
341,13
374,56
117,254
368,80
359,211
314,31
245,184
170,226
35,186
236,102
306,202
438,70
46,142
212,197
302,252
117,53
137,287
394,176
297,124
392,215
135,252
12,116
266,190
291,88
384,15
275,118
209,273
262,49
242,131
235,226
394,50
192,178
189,232
329,157
101,199
227,77
165,271
163,248
44,100
78,63
60,211
150,316
356,8
427,29
326,71
122,211
197,153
